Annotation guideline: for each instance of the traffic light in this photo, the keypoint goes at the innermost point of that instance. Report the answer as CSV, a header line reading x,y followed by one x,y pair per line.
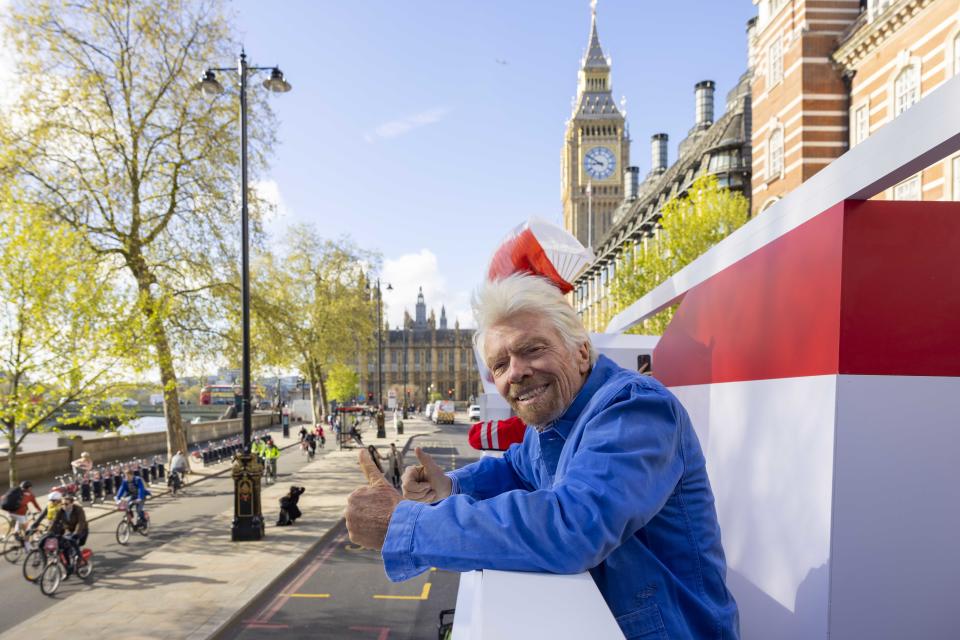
x,y
370,396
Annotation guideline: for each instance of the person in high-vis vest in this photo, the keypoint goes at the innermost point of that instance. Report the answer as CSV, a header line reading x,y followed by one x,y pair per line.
x,y
270,455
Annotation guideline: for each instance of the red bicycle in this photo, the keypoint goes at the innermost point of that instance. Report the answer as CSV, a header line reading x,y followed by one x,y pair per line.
x,y
63,562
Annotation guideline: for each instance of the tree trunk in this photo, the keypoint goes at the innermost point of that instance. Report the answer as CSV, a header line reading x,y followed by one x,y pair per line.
x,y
176,434
12,458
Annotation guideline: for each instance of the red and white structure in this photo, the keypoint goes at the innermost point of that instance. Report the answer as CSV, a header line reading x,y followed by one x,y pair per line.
x,y
817,350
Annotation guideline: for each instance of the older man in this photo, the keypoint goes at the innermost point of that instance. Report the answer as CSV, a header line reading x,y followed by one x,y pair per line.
x,y
610,480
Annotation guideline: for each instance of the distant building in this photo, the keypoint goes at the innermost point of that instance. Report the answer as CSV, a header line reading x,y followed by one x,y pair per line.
x,y
423,357
718,146
830,73
596,149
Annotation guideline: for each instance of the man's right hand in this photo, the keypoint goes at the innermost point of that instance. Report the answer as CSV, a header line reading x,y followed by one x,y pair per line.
x,y
425,482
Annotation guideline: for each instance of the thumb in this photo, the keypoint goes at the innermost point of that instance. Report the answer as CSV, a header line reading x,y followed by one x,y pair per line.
x,y
431,468
369,467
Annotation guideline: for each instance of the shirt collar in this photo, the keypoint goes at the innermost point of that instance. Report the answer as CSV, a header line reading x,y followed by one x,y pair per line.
x,y
598,375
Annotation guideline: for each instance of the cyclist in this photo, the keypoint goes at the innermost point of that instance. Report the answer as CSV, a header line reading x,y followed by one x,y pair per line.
x,y
82,465
303,434
130,485
319,433
270,454
178,467
255,447
19,500
312,444
71,525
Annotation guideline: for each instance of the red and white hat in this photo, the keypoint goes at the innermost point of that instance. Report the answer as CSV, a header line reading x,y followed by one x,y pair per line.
x,y
543,249
497,435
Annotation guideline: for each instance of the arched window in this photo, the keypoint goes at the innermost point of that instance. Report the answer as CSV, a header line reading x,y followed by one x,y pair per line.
x,y
775,154
906,89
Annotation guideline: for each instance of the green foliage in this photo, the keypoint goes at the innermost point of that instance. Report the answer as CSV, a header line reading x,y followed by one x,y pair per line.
x,y
311,307
690,225
110,137
60,348
343,383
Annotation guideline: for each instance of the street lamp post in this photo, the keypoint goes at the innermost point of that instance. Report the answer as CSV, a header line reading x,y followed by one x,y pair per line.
x,y
247,518
381,430
403,412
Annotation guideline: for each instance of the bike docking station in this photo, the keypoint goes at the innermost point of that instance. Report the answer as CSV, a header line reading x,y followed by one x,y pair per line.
x,y
247,515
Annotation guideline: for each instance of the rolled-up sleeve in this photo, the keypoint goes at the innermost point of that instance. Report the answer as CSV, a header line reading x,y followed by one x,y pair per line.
x,y
626,466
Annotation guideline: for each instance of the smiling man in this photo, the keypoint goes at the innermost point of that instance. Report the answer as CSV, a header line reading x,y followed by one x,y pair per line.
x,y
611,480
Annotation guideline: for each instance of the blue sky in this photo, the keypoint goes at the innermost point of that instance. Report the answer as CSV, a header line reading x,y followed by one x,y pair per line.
x,y
426,130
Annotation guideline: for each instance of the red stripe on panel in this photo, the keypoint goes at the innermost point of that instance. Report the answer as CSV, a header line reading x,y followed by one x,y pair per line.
x,y
773,314
869,288
901,289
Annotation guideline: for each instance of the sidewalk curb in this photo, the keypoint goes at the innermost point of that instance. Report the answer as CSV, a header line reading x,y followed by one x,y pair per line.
x,y
295,566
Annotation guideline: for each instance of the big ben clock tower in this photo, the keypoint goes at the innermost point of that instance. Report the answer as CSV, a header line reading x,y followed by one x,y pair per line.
x,y
596,149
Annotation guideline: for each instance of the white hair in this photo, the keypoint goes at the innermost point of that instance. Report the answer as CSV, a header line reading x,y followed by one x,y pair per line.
x,y
523,292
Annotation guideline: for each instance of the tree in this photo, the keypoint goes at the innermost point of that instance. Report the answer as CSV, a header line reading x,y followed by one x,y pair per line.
x,y
109,136
343,383
312,308
60,352
691,224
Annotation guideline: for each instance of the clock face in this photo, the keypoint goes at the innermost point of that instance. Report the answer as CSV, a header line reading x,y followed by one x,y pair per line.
x,y
599,163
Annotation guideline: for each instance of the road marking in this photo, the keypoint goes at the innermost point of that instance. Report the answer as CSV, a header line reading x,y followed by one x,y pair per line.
x,y
306,595
277,603
423,595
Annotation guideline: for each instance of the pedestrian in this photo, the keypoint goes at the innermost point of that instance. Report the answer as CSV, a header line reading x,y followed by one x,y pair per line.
x,y
289,511
355,434
82,465
375,456
395,461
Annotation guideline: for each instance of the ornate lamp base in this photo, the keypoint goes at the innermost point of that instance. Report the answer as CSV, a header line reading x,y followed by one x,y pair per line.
x,y
247,517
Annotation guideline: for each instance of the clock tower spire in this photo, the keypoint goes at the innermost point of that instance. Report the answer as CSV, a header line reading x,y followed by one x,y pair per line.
x,y
596,147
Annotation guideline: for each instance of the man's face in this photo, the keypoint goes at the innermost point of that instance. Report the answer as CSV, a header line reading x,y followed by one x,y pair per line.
x,y
533,368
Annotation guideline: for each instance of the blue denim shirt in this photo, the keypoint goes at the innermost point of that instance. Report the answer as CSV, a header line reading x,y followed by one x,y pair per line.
x,y
616,486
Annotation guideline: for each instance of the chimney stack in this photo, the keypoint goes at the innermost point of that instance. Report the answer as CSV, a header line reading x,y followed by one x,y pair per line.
x,y
704,97
751,32
658,152
631,178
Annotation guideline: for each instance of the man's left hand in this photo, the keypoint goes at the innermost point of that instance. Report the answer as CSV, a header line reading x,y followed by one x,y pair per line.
x,y
369,508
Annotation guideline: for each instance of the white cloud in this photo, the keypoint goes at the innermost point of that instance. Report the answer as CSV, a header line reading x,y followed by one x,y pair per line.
x,y
407,273
269,192
402,126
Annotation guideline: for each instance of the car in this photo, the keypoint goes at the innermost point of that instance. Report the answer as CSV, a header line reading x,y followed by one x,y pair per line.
x,y
473,413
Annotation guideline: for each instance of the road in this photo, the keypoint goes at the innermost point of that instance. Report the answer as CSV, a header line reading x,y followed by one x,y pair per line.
x,y
169,517
340,590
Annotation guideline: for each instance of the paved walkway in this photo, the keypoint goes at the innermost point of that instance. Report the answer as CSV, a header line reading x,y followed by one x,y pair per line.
x,y
194,586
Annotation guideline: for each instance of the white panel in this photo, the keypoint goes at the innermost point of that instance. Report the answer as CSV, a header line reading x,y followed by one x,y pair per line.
x,y
539,606
896,543
769,450
927,132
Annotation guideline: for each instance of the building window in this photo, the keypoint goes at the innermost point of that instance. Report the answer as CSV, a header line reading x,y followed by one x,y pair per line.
x,y
775,155
955,167
774,62
906,89
908,189
956,54
861,124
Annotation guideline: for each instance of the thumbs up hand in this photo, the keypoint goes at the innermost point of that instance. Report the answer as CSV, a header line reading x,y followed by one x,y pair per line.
x,y
425,482
370,508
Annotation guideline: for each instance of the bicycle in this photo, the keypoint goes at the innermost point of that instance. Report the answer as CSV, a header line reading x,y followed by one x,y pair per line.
x,y
65,561
18,543
39,556
175,481
128,524
6,524
270,471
